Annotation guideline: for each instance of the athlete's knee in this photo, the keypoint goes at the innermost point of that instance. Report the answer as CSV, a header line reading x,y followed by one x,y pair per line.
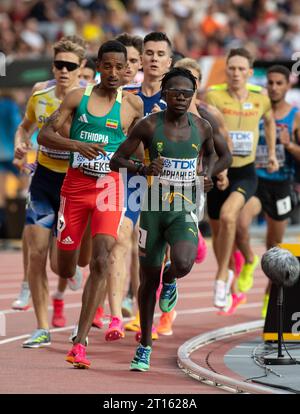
x,y
227,219
183,266
99,263
66,270
37,255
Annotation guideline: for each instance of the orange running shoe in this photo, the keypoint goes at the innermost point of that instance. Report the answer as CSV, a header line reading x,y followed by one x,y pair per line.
x,y
115,330
165,322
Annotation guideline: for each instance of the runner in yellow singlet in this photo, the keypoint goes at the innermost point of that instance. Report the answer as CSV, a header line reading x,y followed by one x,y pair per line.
x,y
242,109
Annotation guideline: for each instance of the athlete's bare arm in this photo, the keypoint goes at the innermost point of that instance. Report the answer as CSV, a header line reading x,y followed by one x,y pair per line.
x,y
219,136
137,106
142,132
50,137
292,146
270,133
223,131
22,138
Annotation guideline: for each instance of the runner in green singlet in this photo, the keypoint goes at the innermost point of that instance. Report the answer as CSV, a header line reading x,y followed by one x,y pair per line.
x,y
173,139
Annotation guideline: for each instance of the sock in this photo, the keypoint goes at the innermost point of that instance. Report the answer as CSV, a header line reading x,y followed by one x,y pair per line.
x,y
58,295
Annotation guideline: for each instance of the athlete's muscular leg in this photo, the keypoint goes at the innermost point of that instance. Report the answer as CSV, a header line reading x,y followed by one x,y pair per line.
x,y
214,225
37,239
101,252
118,268
183,255
226,235
150,278
86,247
275,231
134,265
250,210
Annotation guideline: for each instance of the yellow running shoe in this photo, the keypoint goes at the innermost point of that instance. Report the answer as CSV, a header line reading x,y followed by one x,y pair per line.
x,y
134,324
265,306
245,280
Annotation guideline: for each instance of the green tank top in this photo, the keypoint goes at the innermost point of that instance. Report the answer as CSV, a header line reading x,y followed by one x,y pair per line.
x,y
180,163
97,129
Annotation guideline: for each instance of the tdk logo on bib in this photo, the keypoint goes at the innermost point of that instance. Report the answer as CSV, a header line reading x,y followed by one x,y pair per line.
x,y
180,164
179,170
242,142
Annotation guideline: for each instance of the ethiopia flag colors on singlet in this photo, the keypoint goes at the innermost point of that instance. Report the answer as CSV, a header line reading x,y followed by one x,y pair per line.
x,y
242,121
96,129
39,108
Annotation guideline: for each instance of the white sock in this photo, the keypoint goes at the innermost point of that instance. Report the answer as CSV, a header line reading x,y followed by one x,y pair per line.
x,y
58,295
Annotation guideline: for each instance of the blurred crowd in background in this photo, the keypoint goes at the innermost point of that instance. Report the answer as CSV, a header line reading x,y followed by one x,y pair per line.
x,y
202,29
196,27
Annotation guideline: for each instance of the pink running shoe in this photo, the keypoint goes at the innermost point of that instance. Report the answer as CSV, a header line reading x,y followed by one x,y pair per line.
x,y
237,299
238,262
97,321
58,318
77,357
115,330
202,249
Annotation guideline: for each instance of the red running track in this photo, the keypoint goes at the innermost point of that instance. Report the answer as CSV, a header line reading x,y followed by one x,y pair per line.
x,y
36,371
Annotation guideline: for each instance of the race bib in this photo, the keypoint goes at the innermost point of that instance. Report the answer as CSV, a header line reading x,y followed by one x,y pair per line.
x,y
96,167
55,154
242,142
284,206
178,171
262,156
142,238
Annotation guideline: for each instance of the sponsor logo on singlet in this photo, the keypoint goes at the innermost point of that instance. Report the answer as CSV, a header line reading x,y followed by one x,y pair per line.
x,y
179,170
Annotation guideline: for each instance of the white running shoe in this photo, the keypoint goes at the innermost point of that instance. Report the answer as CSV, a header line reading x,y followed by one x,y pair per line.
x,y
22,301
222,293
75,282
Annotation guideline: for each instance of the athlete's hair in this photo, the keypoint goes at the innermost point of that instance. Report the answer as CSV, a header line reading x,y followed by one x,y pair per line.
x,y
75,39
174,72
189,63
90,63
241,51
129,40
66,46
283,70
157,37
112,46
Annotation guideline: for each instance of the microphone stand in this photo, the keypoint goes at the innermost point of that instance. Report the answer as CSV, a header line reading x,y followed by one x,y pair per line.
x,y
281,359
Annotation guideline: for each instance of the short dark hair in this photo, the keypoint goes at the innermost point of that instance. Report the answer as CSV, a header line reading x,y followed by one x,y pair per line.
x,y
283,70
129,40
91,64
157,37
174,72
112,46
241,51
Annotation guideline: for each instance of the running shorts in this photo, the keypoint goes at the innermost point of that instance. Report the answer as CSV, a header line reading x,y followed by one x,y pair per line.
x,y
84,196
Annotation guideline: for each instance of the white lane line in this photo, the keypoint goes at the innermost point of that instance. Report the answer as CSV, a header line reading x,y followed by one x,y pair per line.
x,y
182,295
156,315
